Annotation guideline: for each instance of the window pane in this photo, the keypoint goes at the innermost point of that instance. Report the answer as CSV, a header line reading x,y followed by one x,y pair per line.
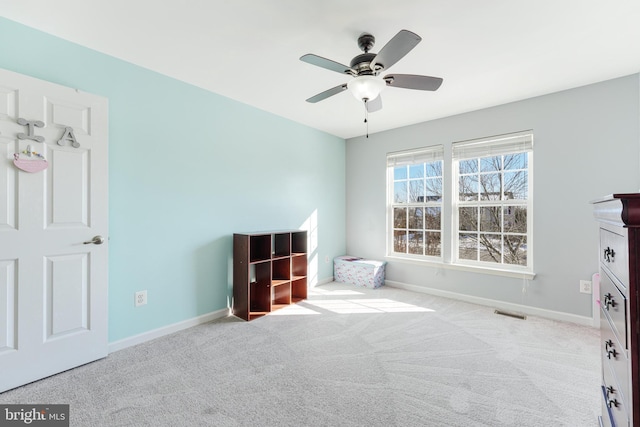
x,y
490,248
516,161
515,219
432,218
433,247
434,189
490,218
468,246
434,169
490,184
468,187
515,250
400,192
468,219
400,218
416,218
469,166
515,185
416,243
400,241
416,191
490,164
416,171
400,172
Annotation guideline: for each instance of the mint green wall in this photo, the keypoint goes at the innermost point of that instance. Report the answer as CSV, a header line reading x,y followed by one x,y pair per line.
x,y
187,168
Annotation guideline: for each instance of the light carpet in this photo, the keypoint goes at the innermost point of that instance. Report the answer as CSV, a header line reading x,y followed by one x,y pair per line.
x,y
347,356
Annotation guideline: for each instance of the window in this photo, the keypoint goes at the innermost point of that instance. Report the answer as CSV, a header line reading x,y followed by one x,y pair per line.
x,y
487,212
415,196
492,201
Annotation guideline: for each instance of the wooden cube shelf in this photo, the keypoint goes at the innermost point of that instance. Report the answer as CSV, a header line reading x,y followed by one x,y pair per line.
x,y
269,271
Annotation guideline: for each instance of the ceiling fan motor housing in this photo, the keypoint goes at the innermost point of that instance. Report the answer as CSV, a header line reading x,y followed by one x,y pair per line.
x,y
361,64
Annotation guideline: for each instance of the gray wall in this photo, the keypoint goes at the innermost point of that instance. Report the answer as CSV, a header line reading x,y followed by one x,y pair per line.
x,y
586,145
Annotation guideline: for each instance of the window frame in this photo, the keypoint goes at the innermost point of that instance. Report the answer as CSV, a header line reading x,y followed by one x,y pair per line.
x,y
449,203
421,156
486,148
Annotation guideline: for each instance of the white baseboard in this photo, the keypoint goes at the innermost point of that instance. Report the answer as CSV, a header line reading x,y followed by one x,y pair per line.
x,y
323,282
166,330
169,329
501,305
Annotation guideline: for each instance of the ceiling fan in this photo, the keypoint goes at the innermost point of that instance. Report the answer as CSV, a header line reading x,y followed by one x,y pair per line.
x,y
365,69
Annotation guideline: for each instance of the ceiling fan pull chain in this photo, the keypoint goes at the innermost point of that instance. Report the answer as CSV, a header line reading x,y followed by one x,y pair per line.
x,y
366,116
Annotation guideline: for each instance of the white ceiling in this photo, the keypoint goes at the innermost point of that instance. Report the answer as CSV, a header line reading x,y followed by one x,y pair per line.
x,y
488,52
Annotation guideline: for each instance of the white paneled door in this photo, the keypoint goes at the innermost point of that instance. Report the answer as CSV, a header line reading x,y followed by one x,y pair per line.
x,y
53,199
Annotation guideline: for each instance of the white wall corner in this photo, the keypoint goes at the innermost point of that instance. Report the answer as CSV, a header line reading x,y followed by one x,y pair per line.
x,y
322,282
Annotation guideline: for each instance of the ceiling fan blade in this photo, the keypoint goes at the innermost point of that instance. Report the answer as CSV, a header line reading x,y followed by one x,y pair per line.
x,y
327,93
375,105
396,49
326,63
411,81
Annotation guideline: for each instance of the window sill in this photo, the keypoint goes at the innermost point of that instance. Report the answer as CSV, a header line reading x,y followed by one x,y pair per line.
x,y
464,267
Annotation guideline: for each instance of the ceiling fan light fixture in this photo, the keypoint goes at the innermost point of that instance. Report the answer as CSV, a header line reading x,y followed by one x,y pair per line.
x,y
366,87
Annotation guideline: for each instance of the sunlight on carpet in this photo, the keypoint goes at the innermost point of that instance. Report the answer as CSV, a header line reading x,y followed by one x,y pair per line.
x,y
378,305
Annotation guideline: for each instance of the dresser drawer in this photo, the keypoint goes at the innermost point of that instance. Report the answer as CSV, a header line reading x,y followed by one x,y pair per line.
x,y
614,305
613,404
612,415
614,254
615,365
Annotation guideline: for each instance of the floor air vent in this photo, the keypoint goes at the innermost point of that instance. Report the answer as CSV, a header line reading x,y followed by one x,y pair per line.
x,y
515,315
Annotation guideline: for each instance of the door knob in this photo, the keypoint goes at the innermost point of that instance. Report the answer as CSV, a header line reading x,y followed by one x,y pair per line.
x,y
97,240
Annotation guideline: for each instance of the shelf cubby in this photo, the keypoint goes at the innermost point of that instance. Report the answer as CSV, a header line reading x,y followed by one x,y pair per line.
x,y
299,242
299,289
260,248
281,245
281,269
260,297
298,265
260,287
281,294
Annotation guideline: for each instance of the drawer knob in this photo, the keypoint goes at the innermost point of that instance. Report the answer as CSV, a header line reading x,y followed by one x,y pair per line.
x,y
609,254
609,350
611,402
610,390
609,301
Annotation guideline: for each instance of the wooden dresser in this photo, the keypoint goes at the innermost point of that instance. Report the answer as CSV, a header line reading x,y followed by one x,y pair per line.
x,y
619,219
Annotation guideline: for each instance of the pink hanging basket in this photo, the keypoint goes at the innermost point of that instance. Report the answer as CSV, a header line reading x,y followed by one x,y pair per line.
x,y
30,166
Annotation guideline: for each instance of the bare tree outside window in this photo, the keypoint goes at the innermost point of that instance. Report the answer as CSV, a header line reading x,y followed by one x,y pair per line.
x,y
492,209
417,208
488,208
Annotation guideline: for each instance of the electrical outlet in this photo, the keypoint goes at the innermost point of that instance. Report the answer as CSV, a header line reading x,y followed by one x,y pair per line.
x,y
585,286
140,298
